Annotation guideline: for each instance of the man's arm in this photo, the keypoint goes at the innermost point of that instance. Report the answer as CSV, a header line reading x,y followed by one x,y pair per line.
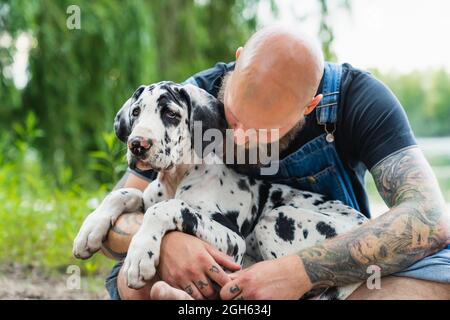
x,y
131,180
416,226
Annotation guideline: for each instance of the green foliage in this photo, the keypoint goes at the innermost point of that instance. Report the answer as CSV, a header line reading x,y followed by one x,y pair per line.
x,y
109,160
58,152
38,218
425,95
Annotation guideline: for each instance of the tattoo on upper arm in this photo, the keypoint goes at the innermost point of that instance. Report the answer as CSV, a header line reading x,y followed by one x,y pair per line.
x,y
410,230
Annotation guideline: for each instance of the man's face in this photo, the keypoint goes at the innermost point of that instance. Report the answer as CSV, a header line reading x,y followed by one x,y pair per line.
x,y
251,120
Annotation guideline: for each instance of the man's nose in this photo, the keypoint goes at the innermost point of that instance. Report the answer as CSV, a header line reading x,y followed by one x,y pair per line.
x,y
139,145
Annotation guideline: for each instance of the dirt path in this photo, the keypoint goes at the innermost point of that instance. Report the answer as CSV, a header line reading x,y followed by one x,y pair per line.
x,y
15,284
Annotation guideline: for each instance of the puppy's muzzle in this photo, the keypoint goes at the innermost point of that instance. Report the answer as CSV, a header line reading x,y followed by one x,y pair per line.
x,y
139,145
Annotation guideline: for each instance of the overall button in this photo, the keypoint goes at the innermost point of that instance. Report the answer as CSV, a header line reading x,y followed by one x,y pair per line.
x,y
311,179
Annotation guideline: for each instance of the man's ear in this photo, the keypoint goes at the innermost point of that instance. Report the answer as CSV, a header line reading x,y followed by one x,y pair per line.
x,y
238,52
313,104
122,121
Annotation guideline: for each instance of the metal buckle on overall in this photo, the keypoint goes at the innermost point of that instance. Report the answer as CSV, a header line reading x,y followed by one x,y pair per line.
x,y
330,134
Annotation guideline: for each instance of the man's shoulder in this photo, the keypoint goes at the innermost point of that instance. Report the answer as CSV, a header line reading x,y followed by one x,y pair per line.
x,y
211,79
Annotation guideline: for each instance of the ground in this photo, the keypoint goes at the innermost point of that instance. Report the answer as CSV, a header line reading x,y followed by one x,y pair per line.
x,y
26,284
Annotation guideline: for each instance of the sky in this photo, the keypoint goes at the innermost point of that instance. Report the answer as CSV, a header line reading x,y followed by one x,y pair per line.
x,y
391,35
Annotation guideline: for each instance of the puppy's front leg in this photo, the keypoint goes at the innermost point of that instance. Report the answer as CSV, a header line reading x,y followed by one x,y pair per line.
x,y
95,227
143,253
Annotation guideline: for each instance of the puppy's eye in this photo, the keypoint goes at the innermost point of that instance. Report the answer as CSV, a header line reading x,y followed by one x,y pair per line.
x,y
171,114
136,111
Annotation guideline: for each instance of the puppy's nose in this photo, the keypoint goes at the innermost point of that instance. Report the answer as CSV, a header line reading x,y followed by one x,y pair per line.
x,y
138,145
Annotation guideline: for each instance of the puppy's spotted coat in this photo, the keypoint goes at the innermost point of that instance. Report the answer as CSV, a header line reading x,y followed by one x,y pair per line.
x,y
235,213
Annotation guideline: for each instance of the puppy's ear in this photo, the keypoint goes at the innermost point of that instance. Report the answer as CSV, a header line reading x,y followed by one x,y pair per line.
x,y
122,121
206,110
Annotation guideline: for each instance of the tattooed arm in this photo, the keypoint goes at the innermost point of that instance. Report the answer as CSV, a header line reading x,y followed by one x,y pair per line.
x,y
416,226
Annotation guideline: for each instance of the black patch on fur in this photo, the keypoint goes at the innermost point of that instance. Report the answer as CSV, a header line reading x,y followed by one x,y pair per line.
x,y
190,223
273,254
185,188
276,198
160,194
223,220
166,137
263,195
285,227
246,228
232,216
305,233
150,254
306,195
326,230
318,202
243,185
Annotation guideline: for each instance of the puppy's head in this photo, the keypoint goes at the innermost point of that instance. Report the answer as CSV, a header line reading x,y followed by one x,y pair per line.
x,y
157,123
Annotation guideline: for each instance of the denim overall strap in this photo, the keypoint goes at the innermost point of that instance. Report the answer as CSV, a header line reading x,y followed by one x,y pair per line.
x,y
326,111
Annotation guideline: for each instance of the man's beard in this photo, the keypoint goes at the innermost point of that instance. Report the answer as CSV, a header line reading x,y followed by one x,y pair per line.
x,y
284,142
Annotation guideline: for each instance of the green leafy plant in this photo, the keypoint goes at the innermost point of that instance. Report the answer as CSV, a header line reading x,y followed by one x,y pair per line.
x,y
109,162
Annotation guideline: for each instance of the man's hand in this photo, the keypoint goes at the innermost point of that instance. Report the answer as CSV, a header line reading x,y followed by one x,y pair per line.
x,y
192,265
280,279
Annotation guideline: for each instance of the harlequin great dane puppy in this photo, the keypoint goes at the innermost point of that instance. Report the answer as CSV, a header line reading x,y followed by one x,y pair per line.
x,y
235,213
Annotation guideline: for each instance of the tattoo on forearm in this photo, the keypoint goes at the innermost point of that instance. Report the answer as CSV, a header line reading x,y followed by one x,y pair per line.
x,y
201,285
189,290
415,226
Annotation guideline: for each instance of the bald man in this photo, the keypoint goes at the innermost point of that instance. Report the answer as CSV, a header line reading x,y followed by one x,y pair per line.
x,y
335,122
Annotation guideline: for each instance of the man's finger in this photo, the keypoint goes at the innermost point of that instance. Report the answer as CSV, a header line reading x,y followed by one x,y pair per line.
x,y
236,274
231,290
223,259
216,273
205,287
192,290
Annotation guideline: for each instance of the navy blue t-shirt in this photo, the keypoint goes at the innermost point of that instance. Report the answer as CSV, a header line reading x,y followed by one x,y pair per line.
x,y
371,122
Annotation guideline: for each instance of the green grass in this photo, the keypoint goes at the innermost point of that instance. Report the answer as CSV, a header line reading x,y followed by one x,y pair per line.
x,y
38,220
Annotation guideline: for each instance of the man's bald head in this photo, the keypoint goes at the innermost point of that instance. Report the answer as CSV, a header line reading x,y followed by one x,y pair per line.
x,y
276,76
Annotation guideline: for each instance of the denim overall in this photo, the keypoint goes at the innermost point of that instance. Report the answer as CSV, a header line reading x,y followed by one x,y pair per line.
x,y
317,166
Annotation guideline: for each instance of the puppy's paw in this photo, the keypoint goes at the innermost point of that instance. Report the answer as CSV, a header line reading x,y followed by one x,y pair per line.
x,y
90,237
140,263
